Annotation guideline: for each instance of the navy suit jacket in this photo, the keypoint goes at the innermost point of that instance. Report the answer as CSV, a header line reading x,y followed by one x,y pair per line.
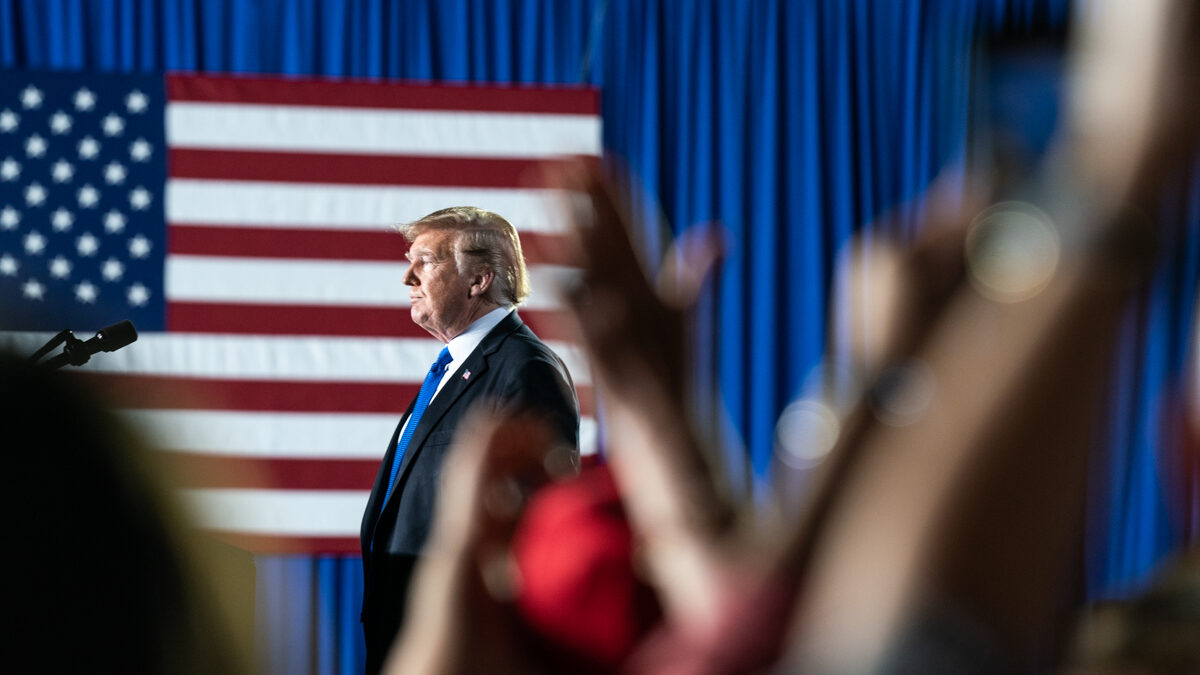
x,y
511,370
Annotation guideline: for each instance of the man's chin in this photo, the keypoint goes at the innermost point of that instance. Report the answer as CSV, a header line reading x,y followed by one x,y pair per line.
x,y
423,322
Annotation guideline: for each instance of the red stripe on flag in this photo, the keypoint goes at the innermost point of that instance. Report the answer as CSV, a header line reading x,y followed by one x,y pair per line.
x,y
364,94
318,244
160,392
286,243
312,167
192,470
251,319
259,543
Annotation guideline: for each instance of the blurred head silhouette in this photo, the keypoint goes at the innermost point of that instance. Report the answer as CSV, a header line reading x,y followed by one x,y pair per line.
x,y
104,580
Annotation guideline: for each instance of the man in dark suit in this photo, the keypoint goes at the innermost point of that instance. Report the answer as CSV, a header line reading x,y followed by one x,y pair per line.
x,y
466,277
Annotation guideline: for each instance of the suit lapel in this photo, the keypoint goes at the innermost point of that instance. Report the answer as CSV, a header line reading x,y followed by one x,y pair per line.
x,y
374,505
444,401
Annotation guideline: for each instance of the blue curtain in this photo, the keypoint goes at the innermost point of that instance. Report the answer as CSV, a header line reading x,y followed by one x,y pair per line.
x,y
1145,500
793,123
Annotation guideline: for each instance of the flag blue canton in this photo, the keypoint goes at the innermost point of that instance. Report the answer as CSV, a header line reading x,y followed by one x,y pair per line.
x,y
82,230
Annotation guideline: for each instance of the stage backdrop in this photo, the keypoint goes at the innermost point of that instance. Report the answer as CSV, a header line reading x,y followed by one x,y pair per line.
x,y
794,124
242,225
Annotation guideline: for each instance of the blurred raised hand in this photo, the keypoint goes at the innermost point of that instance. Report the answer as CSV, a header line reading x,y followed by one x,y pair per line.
x,y
467,580
633,332
948,531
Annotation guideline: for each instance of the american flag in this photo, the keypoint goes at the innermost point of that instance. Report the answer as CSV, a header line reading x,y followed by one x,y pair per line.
x,y
243,224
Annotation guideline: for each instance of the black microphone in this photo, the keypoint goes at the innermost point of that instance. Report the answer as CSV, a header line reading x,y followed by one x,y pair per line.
x,y
111,338
77,352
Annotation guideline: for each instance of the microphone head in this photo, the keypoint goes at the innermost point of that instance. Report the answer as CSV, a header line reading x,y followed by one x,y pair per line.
x,y
112,338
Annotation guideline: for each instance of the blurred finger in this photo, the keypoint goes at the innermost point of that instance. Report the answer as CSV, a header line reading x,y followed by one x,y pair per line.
x,y
462,477
689,260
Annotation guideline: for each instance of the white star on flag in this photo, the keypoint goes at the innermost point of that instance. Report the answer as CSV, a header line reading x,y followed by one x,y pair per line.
x,y
35,243
60,267
112,269
87,245
114,174
89,147
8,265
138,295
139,198
113,125
140,150
85,100
9,218
35,146
33,289
8,120
10,169
62,219
86,292
139,247
136,101
62,171
114,221
31,97
35,194
88,196
60,123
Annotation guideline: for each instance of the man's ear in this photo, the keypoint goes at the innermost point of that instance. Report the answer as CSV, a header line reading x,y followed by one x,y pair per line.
x,y
481,282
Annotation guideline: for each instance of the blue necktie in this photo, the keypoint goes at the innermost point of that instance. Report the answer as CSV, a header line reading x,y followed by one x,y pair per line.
x,y
427,388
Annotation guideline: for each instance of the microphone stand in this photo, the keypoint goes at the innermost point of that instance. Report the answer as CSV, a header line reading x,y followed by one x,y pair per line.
x,y
77,352
73,352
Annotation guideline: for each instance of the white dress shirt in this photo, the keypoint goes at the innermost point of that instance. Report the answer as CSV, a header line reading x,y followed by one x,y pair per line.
x,y
466,342
461,346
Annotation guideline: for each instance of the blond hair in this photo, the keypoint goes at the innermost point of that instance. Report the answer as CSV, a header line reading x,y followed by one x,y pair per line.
x,y
484,238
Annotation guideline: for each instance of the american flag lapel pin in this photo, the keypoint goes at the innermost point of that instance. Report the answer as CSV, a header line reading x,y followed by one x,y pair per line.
x,y
466,374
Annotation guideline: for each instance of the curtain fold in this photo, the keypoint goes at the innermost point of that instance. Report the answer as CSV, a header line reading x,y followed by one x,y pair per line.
x,y
1146,482
795,125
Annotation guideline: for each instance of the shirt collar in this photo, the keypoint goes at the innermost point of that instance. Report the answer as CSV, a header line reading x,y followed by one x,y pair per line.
x,y
466,341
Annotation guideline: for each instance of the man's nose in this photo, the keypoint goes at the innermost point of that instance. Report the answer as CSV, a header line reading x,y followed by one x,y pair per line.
x,y
410,279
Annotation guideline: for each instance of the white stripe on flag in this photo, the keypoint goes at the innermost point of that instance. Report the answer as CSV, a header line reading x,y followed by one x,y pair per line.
x,y
272,357
317,282
312,513
278,435
268,434
285,282
292,128
268,357
365,207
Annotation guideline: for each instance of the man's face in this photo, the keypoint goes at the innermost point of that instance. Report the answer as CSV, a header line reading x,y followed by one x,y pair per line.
x,y
440,296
